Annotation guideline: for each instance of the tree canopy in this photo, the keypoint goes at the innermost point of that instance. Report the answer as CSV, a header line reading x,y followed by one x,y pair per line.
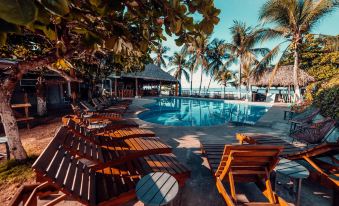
x,y
123,28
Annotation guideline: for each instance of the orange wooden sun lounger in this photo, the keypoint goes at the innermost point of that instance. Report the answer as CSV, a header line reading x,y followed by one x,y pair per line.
x,y
243,163
309,154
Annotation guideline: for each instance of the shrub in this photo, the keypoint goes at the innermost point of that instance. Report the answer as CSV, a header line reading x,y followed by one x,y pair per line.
x,y
327,100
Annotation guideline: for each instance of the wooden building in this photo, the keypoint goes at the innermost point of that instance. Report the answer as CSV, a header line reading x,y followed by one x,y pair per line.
x,y
149,82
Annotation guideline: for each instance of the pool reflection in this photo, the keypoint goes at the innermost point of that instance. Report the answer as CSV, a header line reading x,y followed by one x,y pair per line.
x,y
198,112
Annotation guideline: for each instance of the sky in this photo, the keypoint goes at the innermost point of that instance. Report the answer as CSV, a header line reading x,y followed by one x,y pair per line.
x,y
247,11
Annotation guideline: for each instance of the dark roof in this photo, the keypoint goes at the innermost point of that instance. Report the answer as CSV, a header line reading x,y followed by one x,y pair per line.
x,y
151,72
283,77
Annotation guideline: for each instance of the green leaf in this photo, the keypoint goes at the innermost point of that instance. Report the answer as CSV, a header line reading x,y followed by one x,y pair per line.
x,y
44,16
95,3
21,12
50,34
59,7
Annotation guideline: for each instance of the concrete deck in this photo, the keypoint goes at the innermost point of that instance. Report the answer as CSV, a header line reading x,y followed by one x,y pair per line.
x,y
200,188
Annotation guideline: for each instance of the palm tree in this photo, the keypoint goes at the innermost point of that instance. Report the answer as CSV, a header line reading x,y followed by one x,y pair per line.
x,y
198,49
224,77
243,50
160,52
216,55
180,67
292,20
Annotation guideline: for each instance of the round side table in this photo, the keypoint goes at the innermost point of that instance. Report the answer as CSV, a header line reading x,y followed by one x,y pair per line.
x,y
157,188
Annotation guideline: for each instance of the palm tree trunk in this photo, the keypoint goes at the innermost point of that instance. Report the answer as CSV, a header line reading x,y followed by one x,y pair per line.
x,y
11,127
239,87
191,89
201,79
224,90
295,75
159,61
209,83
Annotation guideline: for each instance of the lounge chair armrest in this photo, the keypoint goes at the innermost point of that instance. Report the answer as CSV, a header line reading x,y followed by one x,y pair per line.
x,y
296,121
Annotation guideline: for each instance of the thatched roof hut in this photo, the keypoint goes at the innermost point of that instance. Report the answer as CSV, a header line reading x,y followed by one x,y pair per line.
x,y
282,78
151,72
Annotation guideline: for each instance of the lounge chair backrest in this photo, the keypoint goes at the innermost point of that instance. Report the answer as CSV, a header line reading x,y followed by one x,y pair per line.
x,y
76,128
77,109
307,115
325,127
96,102
87,106
249,159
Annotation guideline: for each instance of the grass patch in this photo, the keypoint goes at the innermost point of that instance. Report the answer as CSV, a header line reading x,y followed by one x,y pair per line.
x,y
13,171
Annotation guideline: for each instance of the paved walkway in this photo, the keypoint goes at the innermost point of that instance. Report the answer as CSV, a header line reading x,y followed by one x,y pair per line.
x,y
200,188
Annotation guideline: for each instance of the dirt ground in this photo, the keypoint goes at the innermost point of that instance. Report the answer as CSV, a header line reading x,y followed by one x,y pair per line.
x,y
34,141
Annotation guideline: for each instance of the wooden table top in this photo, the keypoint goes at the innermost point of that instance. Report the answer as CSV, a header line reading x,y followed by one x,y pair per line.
x,y
157,188
291,169
21,105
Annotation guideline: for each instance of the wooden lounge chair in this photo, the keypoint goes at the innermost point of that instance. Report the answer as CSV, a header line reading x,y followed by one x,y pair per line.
x,y
111,185
101,125
114,101
310,154
105,134
98,115
109,153
303,118
313,133
108,134
243,163
89,108
99,106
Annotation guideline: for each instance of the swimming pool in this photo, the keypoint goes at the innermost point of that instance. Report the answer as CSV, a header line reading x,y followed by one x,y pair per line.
x,y
173,111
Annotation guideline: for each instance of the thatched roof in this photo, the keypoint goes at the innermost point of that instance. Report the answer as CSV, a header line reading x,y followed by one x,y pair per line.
x,y
151,72
282,78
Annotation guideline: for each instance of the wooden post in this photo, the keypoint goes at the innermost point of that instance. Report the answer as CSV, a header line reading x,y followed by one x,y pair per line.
x,y
26,109
136,87
73,87
116,87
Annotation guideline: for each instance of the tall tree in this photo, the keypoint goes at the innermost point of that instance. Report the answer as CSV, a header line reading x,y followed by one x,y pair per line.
x,y
160,52
216,56
198,49
244,50
50,33
180,67
224,77
292,20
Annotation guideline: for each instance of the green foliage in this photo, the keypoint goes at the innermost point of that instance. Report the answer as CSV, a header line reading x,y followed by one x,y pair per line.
x,y
58,7
124,29
328,101
20,12
180,65
316,58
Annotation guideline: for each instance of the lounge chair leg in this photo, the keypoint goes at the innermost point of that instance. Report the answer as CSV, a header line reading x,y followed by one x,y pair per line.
x,y
232,186
298,191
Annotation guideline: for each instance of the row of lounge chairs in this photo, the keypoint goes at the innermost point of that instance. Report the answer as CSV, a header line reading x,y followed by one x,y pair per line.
x,y
258,154
97,157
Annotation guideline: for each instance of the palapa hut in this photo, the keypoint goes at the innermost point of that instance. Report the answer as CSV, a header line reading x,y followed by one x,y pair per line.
x,y
282,78
148,82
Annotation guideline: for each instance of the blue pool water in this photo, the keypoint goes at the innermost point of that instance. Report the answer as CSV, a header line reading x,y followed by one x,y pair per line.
x,y
172,111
